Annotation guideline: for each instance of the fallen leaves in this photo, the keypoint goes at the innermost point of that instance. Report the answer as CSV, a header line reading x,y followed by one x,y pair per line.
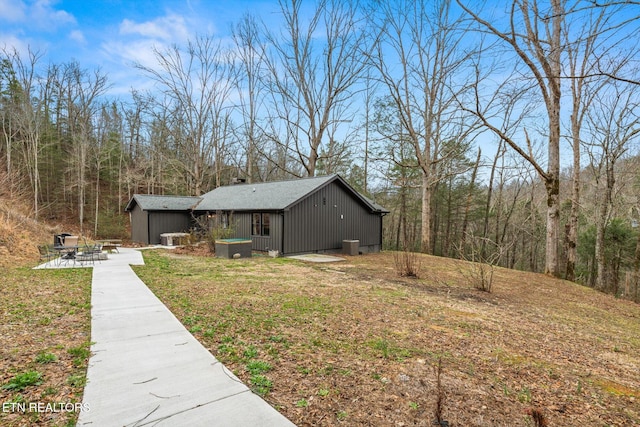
x,y
371,340
43,314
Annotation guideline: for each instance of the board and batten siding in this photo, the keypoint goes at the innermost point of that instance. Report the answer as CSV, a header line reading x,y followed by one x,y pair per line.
x,y
167,222
325,218
242,229
139,225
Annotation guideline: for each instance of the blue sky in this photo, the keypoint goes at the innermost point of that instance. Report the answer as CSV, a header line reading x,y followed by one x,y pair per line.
x,y
113,34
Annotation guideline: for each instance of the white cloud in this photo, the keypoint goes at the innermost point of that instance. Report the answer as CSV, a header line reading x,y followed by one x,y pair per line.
x,y
125,79
126,53
39,14
137,41
78,36
44,14
12,10
11,42
170,28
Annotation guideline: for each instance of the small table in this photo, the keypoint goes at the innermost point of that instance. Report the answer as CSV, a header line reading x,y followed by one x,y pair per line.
x,y
110,244
66,253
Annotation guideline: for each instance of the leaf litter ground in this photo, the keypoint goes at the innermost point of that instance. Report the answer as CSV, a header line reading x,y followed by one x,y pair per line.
x,y
45,331
352,343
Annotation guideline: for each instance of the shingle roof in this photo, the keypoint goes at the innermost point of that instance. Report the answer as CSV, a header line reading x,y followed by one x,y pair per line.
x,y
276,195
376,206
151,202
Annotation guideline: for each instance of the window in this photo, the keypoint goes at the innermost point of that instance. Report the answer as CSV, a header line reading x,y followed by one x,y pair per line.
x,y
256,224
265,224
260,224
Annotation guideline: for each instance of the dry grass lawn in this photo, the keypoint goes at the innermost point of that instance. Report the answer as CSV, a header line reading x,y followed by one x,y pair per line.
x,y
349,343
45,331
352,343
45,325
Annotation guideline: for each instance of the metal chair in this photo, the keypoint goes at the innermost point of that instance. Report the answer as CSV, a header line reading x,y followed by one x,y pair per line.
x,y
90,252
46,254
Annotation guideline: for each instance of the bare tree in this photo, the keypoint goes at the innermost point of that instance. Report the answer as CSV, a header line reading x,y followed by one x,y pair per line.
x,y
591,36
613,124
107,135
25,117
246,35
196,83
312,79
534,34
132,139
79,92
469,198
9,94
539,34
424,40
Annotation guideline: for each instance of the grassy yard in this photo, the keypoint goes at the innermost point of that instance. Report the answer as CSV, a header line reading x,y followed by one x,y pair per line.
x,y
45,330
353,344
349,343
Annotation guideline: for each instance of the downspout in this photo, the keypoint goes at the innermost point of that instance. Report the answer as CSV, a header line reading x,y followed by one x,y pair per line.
x,y
382,215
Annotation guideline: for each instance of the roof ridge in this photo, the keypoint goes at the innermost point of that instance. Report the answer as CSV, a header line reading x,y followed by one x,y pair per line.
x,y
163,195
306,178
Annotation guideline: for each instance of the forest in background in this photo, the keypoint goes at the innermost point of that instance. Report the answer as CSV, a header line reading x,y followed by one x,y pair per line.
x,y
507,136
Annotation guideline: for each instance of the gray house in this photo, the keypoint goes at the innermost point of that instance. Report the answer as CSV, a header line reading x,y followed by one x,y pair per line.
x,y
307,215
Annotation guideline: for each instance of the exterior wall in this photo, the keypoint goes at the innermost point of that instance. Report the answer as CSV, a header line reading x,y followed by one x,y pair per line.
x,y
167,222
320,222
241,223
139,225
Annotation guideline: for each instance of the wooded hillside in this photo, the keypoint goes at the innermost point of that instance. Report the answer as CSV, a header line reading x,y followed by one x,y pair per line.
x,y
506,136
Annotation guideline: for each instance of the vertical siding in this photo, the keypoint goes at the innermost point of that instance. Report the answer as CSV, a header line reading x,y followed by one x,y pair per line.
x,y
242,229
167,222
139,225
241,225
324,219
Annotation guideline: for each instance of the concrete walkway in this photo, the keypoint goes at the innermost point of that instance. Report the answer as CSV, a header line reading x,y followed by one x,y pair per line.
x,y
147,369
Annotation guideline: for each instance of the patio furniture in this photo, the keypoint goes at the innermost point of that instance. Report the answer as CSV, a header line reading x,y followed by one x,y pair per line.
x,y
110,245
68,250
47,253
90,253
58,239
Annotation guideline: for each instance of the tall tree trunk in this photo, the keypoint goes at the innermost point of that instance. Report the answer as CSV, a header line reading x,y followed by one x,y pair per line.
x,y
636,269
553,226
467,207
572,226
82,161
553,168
425,243
599,252
601,227
539,47
487,211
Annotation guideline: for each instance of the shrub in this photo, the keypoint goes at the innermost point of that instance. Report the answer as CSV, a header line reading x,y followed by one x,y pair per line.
x,y
483,255
407,263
